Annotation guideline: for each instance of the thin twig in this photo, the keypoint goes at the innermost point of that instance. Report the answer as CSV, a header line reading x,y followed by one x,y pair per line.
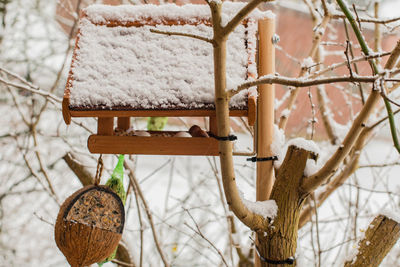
x,y
366,51
211,41
136,185
288,81
344,63
198,231
32,90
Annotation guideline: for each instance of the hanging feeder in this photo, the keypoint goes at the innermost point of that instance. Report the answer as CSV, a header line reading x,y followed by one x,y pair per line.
x,y
120,69
90,223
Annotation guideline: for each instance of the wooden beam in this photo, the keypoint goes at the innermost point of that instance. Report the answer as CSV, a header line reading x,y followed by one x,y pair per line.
x,y
105,126
154,145
153,113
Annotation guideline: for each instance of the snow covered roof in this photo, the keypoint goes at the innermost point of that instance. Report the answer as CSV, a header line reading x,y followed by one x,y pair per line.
x,y
118,64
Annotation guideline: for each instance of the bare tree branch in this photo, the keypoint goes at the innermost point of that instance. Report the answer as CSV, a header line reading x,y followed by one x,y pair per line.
x,y
169,33
296,82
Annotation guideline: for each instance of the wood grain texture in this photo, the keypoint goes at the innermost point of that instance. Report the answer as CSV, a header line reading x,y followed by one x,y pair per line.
x,y
154,145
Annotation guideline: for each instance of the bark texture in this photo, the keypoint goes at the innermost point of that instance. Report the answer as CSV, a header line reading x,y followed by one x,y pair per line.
x,y
380,237
279,242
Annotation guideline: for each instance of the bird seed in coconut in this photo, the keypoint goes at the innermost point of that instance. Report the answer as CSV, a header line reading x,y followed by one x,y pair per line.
x,y
96,208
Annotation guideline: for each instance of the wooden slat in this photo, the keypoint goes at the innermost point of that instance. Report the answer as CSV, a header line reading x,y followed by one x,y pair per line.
x,y
65,109
155,145
105,126
124,123
153,113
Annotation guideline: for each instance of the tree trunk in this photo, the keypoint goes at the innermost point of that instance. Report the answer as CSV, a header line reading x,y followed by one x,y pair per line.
x,y
279,242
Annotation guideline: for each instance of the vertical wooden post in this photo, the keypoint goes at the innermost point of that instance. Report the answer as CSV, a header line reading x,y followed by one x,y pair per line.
x,y
124,123
105,126
265,112
213,125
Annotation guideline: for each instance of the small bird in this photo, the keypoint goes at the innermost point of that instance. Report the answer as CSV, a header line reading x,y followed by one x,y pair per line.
x,y
116,184
156,123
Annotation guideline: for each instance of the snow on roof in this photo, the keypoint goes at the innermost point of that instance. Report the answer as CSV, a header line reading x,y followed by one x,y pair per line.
x,y
100,14
132,68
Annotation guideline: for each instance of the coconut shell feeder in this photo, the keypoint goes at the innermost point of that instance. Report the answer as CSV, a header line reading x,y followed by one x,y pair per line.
x,y
89,225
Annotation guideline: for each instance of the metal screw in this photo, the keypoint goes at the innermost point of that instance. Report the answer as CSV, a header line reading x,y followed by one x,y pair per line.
x,y
275,39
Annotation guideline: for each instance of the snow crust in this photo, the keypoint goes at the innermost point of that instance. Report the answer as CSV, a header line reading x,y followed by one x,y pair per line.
x,y
304,144
279,148
266,208
131,67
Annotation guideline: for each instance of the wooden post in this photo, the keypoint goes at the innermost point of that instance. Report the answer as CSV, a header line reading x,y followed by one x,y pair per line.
x,y
124,123
105,126
213,125
265,112
265,106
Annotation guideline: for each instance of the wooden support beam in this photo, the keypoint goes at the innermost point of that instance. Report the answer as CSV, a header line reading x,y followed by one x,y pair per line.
x,y
154,145
213,125
265,109
252,113
105,126
265,113
124,123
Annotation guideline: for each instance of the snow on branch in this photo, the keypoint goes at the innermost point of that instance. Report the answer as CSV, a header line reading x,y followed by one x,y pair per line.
x,y
299,82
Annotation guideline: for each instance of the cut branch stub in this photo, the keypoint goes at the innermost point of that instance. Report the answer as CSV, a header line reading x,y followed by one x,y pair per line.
x,y
280,241
380,237
89,225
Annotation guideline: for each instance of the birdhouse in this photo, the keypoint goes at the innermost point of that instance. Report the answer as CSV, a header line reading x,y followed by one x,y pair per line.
x,y
121,69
